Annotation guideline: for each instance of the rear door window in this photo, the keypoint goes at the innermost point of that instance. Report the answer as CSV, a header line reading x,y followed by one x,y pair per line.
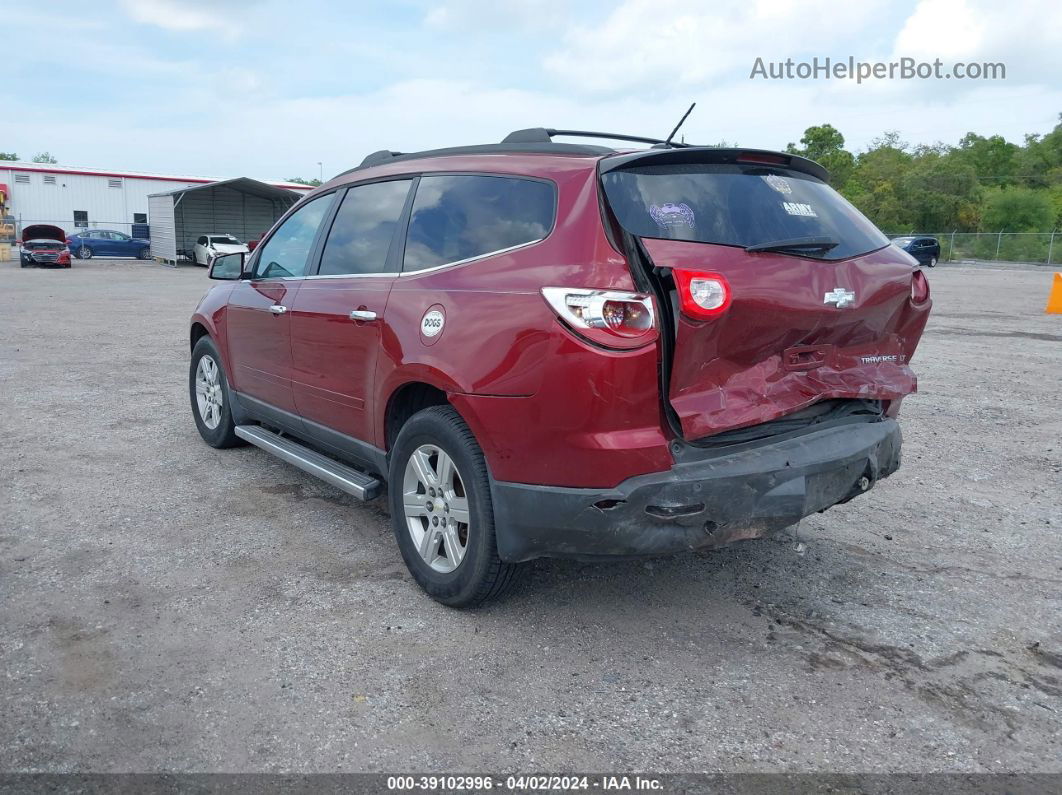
x,y
462,217
361,234
737,205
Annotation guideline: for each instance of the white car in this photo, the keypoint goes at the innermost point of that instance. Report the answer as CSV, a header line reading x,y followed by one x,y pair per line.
x,y
209,246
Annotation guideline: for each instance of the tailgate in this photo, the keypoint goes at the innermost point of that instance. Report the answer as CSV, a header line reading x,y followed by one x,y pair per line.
x,y
825,312
780,347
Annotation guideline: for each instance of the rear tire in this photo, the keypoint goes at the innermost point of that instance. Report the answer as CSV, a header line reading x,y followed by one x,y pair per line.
x,y
84,253
932,262
211,397
459,565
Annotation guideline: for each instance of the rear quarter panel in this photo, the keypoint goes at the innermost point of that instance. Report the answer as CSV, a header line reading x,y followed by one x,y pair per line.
x,y
501,339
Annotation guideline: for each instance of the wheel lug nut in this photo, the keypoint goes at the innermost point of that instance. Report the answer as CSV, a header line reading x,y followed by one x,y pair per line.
x,y
435,520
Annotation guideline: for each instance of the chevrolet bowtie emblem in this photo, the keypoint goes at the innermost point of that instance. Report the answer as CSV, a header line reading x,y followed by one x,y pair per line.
x,y
839,296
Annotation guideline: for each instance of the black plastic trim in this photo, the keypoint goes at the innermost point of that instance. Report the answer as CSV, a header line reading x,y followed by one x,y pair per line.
x,y
546,135
709,154
573,150
709,502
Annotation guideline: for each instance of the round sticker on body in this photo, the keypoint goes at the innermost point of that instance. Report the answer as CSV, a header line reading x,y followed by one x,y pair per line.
x,y
431,325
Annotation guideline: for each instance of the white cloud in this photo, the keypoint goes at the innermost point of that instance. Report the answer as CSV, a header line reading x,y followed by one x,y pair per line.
x,y
187,15
492,14
655,44
276,112
1026,36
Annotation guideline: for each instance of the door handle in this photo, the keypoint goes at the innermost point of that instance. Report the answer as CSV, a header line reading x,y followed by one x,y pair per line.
x,y
363,314
277,309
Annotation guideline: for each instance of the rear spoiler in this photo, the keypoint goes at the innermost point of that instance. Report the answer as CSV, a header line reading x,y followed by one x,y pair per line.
x,y
709,154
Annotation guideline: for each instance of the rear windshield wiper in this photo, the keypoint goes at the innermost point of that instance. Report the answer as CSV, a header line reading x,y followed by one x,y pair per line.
x,y
797,244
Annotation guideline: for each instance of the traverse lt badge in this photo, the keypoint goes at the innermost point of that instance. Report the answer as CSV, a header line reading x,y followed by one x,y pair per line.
x,y
839,296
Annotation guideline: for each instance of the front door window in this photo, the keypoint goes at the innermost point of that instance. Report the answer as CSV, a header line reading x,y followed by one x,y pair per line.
x,y
287,252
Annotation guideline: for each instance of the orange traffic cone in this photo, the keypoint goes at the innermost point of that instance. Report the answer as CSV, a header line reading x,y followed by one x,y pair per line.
x,y
1054,300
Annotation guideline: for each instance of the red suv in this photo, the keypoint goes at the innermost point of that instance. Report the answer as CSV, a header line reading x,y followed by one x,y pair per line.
x,y
565,350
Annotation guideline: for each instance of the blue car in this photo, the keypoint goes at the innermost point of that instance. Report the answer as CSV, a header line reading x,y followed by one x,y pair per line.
x,y
924,249
107,243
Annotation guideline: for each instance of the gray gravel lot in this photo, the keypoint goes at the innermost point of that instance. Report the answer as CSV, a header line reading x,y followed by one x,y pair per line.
x,y
167,606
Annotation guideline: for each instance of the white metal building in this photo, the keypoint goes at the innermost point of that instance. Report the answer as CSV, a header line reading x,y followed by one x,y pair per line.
x,y
70,197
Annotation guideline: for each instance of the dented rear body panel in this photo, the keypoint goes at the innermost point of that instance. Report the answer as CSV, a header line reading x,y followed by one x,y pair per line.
x,y
781,347
779,398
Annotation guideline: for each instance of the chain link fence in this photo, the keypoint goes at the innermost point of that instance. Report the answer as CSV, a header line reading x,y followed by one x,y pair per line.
x,y
1037,248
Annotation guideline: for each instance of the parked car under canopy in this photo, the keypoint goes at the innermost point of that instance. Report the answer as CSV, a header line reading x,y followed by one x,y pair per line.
x,y
242,207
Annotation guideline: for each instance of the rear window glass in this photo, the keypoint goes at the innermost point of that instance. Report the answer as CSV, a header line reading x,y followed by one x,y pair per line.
x,y
460,217
737,205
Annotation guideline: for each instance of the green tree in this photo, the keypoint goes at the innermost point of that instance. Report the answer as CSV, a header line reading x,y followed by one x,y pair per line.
x,y
941,193
1039,161
1019,210
876,183
993,159
825,145
8,156
44,157
301,181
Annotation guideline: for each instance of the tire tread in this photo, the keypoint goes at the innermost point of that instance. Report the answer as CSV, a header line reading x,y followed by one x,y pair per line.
x,y
499,577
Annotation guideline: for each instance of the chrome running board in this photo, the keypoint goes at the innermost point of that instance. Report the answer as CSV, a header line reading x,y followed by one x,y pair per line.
x,y
357,484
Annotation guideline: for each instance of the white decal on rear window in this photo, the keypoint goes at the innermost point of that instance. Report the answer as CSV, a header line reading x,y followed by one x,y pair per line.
x,y
798,208
780,184
672,215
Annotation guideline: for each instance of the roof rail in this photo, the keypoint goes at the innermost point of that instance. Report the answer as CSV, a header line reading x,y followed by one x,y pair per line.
x,y
378,157
545,135
579,150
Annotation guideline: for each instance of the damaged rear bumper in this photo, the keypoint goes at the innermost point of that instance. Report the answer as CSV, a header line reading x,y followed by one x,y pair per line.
x,y
724,497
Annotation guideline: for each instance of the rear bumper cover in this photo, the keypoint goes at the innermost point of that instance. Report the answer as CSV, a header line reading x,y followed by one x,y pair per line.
x,y
722,498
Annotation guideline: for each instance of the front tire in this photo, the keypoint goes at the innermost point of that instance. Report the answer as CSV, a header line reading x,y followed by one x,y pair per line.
x,y
442,513
144,253
211,397
84,253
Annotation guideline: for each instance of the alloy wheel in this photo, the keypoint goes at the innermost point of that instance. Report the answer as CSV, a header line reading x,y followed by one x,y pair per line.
x,y
208,393
436,508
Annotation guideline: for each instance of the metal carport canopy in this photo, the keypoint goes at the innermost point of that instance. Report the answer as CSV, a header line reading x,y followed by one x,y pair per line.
x,y
242,206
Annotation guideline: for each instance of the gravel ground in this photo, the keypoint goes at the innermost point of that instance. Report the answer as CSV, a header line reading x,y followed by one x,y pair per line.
x,y
167,606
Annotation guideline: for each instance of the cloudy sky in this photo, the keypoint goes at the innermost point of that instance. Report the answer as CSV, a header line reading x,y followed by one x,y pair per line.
x,y
268,88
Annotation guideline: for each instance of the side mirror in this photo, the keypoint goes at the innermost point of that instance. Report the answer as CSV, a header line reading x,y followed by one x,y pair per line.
x,y
227,267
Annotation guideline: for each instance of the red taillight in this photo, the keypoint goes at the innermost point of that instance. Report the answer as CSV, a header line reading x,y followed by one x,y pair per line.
x,y
759,157
702,295
607,317
919,288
